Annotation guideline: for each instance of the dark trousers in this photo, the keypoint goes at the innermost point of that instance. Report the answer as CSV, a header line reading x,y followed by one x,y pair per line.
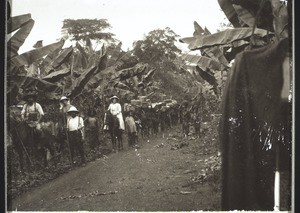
x,y
132,138
75,141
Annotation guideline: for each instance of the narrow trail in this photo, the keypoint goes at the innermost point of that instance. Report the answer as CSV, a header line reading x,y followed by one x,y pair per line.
x,y
159,176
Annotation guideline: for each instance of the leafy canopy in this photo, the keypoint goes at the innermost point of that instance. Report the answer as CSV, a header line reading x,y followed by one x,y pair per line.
x,y
81,29
157,46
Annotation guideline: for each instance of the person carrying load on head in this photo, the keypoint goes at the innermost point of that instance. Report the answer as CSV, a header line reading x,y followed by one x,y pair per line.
x,y
115,109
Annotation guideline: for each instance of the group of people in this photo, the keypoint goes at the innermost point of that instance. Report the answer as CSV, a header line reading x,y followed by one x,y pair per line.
x,y
71,127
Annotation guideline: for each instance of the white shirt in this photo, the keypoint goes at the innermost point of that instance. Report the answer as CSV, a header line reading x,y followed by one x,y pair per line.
x,y
75,123
35,107
115,108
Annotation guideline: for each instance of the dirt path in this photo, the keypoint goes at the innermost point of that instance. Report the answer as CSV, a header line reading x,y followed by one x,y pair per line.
x,y
161,175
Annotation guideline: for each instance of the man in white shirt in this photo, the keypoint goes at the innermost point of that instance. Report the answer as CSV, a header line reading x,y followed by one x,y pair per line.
x,y
32,114
32,111
75,127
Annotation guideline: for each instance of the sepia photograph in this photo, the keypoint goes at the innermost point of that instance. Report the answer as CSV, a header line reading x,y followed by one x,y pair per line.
x,y
149,106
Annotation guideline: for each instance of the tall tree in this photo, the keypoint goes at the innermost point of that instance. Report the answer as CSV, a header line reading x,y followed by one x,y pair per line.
x,y
87,29
158,45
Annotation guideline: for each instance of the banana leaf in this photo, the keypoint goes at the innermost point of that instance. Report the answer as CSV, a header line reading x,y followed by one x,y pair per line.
x,y
33,70
45,67
80,82
24,82
31,56
204,62
84,56
213,52
198,30
207,76
57,75
122,60
16,22
99,58
221,38
133,71
228,9
38,44
62,57
244,16
103,63
121,85
68,82
18,39
280,13
207,32
216,54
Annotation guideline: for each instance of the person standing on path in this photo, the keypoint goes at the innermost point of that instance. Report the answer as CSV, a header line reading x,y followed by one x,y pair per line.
x,y
65,105
115,109
75,127
91,129
131,130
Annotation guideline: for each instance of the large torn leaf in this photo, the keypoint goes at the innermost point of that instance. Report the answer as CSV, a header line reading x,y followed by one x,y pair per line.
x,y
62,57
133,71
216,54
16,22
244,16
81,81
29,57
23,81
213,52
57,75
204,62
224,37
18,39
45,65
98,78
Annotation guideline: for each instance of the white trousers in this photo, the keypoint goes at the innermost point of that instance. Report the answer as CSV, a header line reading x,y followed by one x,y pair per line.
x,y
121,121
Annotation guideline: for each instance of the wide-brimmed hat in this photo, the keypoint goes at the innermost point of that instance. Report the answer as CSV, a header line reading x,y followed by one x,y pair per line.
x,y
63,98
114,97
72,109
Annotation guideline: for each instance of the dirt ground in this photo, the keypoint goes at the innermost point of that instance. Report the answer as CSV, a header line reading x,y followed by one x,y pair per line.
x,y
166,172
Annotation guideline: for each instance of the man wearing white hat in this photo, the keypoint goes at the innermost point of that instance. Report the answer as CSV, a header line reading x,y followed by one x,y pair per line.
x,y
65,105
75,127
116,110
